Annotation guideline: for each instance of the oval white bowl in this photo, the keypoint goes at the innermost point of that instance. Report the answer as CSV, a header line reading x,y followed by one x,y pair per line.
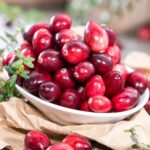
x,y
67,116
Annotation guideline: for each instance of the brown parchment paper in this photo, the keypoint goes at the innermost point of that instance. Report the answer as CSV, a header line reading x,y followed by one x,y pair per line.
x,y
18,117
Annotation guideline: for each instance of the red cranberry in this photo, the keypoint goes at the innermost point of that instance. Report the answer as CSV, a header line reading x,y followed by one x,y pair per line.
x,y
95,86
95,37
60,22
82,92
36,140
64,78
49,91
36,78
111,36
20,80
28,53
138,81
65,36
78,142
126,100
102,62
75,52
60,146
25,45
83,71
50,60
42,40
9,58
28,35
147,107
114,82
85,106
70,98
100,104
144,33
115,53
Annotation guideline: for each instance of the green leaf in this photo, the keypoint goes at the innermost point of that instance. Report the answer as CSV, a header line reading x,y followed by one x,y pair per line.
x,y
12,81
17,63
19,54
1,97
10,69
30,59
21,68
135,146
28,62
25,74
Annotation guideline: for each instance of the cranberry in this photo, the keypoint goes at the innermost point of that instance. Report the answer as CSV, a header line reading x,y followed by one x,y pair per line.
x,y
111,36
36,78
100,104
25,45
114,82
75,52
65,36
50,60
36,140
102,62
138,80
28,35
60,22
60,146
144,33
95,86
115,53
147,107
28,53
83,71
49,91
82,92
95,37
20,80
70,98
64,78
85,106
78,142
42,40
126,100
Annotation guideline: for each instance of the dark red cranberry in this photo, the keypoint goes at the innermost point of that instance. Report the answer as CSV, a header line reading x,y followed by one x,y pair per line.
x,y
70,98
147,106
36,78
25,45
50,60
9,58
42,40
85,107
28,35
60,22
111,36
82,92
138,81
114,83
49,91
75,52
95,37
60,146
100,104
95,86
28,53
115,53
78,142
126,100
64,78
65,36
83,71
102,62
20,80
36,140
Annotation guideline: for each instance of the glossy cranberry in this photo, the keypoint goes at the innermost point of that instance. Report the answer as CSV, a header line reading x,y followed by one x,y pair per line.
x,y
28,35
102,62
95,86
70,98
126,100
36,78
111,36
115,53
65,36
75,52
64,78
82,92
95,37
138,81
114,83
28,53
9,58
60,22
42,40
25,45
60,146
85,106
147,106
100,104
78,142
83,71
36,140
49,91
20,80
50,60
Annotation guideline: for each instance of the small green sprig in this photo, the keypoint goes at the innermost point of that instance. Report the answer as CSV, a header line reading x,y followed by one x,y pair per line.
x,y
15,69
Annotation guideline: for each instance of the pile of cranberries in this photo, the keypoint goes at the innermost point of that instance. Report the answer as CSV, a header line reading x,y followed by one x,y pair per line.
x,y
36,140
81,73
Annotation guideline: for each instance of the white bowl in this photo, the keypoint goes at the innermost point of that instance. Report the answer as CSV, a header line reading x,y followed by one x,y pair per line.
x,y
67,116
